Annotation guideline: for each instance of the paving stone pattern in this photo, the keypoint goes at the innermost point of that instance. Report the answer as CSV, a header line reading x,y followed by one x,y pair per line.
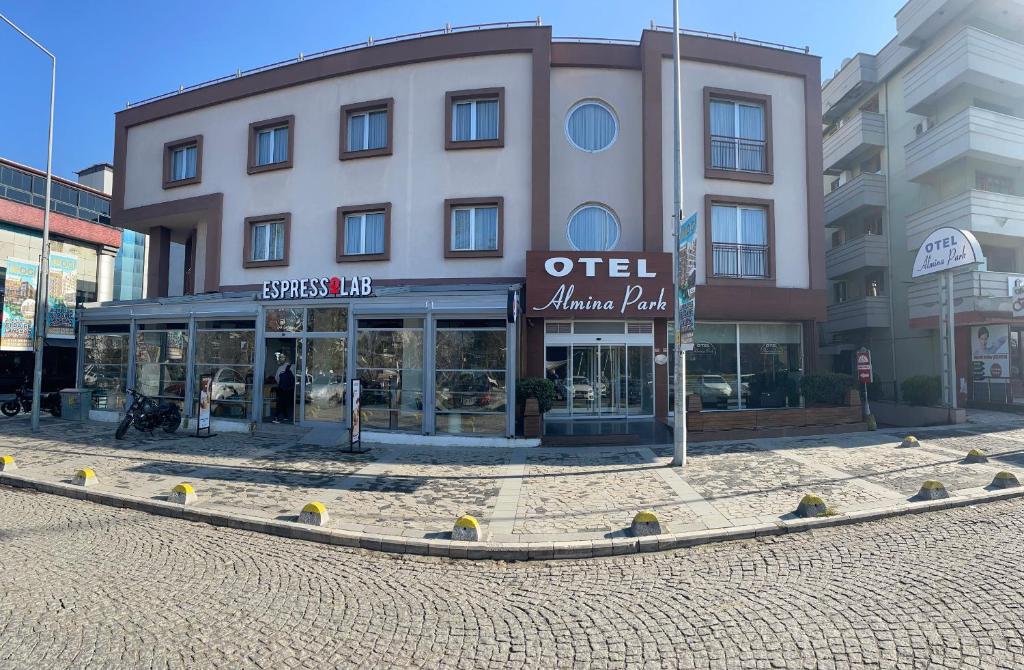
x,y
88,585
519,495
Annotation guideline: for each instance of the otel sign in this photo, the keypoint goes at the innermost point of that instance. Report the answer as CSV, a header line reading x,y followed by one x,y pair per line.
x,y
945,249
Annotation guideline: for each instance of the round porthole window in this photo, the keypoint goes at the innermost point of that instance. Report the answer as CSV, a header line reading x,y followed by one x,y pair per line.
x,y
593,228
591,126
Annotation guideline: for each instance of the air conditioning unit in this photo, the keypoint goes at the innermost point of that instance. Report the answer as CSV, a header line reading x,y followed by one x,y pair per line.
x,y
923,127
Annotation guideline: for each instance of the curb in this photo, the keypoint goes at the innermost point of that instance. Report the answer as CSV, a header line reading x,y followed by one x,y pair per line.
x,y
514,551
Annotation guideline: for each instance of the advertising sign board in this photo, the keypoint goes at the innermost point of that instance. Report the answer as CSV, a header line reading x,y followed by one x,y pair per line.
x,y
18,327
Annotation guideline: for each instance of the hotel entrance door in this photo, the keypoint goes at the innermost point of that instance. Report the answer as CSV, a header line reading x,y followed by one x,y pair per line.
x,y
598,379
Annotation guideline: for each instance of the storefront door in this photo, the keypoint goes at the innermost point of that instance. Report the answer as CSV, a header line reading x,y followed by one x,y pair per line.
x,y
598,379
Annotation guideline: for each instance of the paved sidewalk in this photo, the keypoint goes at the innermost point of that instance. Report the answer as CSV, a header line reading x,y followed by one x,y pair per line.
x,y
518,494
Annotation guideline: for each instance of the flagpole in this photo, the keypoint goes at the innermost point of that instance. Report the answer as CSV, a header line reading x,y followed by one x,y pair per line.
x,y
679,431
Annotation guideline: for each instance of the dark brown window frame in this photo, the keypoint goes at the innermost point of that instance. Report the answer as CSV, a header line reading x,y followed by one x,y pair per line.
x,y
766,177
170,148
452,203
347,210
254,130
452,97
385,104
250,221
709,257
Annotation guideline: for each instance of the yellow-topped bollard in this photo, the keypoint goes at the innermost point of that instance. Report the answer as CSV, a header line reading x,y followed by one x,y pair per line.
x,y
182,494
314,514
85,477
645,523
466,529
7,464
811,505
910,441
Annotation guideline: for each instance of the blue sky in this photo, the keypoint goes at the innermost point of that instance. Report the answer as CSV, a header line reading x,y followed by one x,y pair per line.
x,y
111,52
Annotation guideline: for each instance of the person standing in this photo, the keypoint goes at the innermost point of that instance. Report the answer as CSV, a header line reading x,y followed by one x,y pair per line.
x,y
285,393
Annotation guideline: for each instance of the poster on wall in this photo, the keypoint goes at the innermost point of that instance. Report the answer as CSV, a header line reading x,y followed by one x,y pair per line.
x,y
990,352
355,405
205,400
687,282
62,291
19,305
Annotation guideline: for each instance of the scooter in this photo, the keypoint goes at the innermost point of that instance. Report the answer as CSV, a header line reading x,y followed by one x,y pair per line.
x,y
147,414
22,402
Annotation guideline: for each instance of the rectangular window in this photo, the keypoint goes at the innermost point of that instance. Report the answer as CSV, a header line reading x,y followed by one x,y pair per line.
x,y
106,368
364,233
224,351
266,240
839,292
389,365
183,162
737,136
470,385
271,144
366,129
474,118
739,237
994,183
161,362
475,229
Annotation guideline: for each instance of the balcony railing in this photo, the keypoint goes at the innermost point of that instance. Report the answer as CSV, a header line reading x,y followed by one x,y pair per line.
x,y
740,261
737,153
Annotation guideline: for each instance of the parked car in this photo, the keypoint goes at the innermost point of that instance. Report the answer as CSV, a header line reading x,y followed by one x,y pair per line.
x,y
713,390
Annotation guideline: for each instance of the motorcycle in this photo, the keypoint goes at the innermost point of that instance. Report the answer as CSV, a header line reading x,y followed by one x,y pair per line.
x,y
22,402
147,414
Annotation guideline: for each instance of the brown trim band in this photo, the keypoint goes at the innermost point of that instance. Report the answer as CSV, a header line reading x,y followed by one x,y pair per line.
x,y
453,97
583,54
252,166
250,221
170,148
760,303
343,213
385,104
451,203
710,277
711,172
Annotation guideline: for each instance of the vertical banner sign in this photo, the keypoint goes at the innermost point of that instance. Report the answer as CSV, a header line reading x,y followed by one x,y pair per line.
x,y
205,399
355,435
687,282
864,372
1015,284
19,305
62,290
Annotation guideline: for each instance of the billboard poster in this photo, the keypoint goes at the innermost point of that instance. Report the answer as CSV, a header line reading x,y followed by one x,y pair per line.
x,y
990,352
19,305
62,291
687,282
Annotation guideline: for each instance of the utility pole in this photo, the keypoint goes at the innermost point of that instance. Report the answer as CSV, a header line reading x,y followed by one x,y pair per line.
x,y
679,430
42,286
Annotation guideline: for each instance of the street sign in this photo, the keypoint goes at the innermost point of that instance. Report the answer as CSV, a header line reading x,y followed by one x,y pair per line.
x,y
864,373
945,249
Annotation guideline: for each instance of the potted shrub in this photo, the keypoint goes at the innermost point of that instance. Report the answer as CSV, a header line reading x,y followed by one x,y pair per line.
x,y
923,390
827,388
540,391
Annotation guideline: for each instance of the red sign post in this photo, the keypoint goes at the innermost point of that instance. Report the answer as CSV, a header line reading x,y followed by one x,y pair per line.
x,y
864,375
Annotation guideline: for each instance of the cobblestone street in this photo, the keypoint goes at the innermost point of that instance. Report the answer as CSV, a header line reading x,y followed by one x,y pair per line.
x,y
88,585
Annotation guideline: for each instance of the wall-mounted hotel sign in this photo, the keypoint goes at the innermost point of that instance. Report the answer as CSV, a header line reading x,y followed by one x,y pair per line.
x,y
317,287
598,285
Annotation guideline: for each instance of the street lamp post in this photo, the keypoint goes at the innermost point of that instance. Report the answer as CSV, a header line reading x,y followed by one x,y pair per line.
x,y
679,427
42,292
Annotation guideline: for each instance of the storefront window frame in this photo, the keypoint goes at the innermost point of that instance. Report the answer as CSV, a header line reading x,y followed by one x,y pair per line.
x,y
437,371
196,332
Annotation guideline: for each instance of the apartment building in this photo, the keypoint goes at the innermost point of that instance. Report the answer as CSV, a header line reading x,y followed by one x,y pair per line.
x,y
928,132
439,215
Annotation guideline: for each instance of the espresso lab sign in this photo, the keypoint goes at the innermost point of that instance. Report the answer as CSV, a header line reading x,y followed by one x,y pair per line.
x,y
595,285
946,249
317,287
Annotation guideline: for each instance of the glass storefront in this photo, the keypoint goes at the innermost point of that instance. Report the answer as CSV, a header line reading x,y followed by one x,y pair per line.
x,y
389,365
601,369
470,378
160,361
225,351
105,368
742,366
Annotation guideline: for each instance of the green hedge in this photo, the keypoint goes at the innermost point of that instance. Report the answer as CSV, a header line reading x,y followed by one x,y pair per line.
x,y
826,388
536,387
923,390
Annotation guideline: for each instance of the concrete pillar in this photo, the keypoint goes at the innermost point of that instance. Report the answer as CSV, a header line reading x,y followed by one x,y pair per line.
x,y
105,257
159,262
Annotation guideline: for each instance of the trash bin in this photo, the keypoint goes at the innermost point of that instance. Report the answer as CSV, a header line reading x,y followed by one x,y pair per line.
x,y
75,404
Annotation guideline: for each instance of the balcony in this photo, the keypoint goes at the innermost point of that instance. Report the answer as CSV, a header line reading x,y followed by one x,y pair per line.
x,y
971,56
919,20
853,141
864,192
974,291
855,78
976,211
870,251
870,312
975,133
